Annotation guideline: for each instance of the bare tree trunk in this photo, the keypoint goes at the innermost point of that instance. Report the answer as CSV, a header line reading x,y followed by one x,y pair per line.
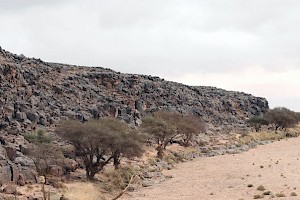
x,y
116,158
160,151
93,170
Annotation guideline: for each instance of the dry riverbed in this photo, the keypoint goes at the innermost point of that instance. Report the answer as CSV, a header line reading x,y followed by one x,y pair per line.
x,y
274,166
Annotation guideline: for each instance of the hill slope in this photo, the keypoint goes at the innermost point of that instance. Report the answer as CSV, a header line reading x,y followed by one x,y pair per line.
x,y
36,93
33,91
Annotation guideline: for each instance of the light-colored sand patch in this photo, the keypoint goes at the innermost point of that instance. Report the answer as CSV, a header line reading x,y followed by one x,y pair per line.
x,y
82,191
276,166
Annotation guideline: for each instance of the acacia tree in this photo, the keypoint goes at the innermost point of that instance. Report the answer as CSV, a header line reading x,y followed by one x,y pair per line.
x,y
186,126
189,126
98,142
281,117
127,145
165,126
257,122
160,130
125,141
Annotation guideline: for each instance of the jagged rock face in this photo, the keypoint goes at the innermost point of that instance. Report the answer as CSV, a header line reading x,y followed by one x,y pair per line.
x,y
35,93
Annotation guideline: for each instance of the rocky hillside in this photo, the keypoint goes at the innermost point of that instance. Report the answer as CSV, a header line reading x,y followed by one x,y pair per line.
x,y
34,93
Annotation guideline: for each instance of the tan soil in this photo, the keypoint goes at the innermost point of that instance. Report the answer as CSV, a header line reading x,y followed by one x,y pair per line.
x,y
276,166
82,190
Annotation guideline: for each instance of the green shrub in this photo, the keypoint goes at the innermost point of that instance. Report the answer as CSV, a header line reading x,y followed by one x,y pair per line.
x,y
153,161
170,159
38,137
257,122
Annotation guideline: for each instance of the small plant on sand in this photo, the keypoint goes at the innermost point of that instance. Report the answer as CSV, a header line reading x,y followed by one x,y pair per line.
x,y
280,194
180,156
152,161
293,194
170,159
267,193
258,196
261,188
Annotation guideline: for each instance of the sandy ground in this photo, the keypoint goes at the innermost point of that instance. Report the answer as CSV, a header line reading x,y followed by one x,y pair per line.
x,y
275,166
80,191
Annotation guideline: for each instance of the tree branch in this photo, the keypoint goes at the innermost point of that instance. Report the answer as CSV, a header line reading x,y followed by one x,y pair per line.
x,y
123,191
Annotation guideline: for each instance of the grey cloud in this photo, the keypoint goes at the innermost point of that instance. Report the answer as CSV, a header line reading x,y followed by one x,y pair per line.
x,y
163,38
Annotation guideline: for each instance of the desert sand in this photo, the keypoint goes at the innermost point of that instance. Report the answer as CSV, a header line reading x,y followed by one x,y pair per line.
x,y
276,166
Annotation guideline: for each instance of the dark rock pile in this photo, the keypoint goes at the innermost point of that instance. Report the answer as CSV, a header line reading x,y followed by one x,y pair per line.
x,y
34,93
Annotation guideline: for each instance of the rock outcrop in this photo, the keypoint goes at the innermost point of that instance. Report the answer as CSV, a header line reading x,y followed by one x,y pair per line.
x,y
34,93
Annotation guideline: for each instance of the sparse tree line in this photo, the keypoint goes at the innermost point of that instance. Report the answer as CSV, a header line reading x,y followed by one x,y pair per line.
x,y
278,118
108,140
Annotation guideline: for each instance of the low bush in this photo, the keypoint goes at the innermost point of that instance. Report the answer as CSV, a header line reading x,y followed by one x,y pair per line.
x,y
261,188
116,180
293,194
38,137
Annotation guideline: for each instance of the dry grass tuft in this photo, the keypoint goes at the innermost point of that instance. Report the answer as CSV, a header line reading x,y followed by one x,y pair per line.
x,y
260,136
268,135
116,180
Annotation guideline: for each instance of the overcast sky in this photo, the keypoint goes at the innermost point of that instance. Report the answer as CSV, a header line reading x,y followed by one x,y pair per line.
x,y
250,46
